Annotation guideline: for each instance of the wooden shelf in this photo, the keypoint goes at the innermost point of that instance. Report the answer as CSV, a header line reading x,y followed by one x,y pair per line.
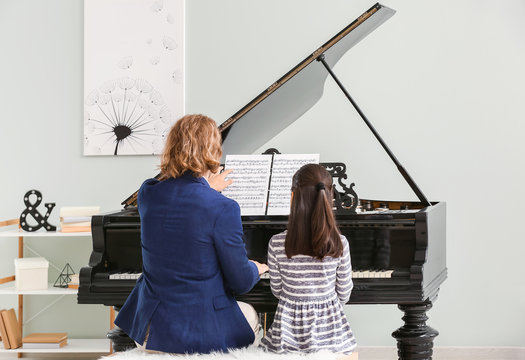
x,y
51,290
19,232
73,346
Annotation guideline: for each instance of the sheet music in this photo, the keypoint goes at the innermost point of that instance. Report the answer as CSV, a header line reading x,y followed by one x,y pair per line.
x,y
283,168
251,175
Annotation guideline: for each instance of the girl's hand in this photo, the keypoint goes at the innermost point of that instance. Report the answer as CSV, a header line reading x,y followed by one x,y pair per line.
x,y
262,268
218,180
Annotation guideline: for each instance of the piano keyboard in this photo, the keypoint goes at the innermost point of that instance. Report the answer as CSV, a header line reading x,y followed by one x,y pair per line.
x,y
124,276
359,274
371,274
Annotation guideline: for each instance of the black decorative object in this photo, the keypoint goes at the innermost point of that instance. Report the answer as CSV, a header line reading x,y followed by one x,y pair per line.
x,y
31,209
346,201
65,277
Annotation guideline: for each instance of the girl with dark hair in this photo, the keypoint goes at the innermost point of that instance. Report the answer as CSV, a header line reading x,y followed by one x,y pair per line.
x,y
310,272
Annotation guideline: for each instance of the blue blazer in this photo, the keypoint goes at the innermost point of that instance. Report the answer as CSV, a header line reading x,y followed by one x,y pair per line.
x,y
193,261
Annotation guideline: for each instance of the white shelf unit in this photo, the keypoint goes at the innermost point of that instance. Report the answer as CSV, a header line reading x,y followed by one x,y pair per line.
x,y
7,287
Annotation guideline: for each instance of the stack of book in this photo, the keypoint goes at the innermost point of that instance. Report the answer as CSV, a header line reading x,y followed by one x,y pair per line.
x,y
10,330
73,284
44,341
77,218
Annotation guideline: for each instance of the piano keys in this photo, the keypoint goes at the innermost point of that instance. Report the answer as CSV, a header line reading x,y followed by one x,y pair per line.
x,y
124,275
356,274
372,274
398,248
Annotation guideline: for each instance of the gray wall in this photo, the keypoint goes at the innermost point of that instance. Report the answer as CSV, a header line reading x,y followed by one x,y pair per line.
x,y
441,81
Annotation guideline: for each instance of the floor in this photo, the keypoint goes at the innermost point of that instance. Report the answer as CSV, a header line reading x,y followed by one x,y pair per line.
x,y
367,353
449,353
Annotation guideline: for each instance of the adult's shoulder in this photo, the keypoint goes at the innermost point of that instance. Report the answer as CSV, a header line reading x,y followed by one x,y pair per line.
x,y
224,211
150,182
223,203
146,187
147,184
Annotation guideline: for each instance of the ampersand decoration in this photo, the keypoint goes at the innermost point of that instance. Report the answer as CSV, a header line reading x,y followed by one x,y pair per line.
x,y
41,220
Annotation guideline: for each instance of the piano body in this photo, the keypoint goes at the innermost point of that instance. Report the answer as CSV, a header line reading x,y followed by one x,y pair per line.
x,y
398,248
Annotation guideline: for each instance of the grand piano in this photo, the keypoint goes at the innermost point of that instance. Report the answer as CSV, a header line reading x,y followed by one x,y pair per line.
x,y
398,248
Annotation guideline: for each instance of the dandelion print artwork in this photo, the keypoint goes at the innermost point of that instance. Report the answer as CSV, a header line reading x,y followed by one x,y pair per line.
x,y
126,116
133,74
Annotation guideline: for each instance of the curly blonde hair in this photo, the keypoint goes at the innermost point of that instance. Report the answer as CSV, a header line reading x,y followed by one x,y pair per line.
x,y
193,144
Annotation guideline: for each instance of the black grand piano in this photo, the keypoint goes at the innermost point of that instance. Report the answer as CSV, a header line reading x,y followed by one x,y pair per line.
x,y
398,248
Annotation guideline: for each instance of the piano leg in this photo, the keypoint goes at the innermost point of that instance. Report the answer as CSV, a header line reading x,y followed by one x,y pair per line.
x,y
120,341
415,339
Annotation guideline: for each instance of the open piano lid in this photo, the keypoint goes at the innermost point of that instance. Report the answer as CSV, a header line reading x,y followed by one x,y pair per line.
x,y
293,94
296,92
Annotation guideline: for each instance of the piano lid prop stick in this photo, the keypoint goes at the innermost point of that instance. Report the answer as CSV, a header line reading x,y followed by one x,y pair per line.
x,y
400,167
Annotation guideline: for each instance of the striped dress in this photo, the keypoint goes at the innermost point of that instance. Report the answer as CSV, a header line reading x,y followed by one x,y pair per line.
x,y
311,295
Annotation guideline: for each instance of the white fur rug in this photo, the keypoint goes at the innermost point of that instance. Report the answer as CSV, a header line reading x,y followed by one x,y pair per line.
x,y
250,353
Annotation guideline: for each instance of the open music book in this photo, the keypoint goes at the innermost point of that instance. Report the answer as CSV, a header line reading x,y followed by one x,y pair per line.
x,y
262,183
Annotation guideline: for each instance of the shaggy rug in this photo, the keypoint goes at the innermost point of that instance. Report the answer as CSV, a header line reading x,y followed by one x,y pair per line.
x,y
250,353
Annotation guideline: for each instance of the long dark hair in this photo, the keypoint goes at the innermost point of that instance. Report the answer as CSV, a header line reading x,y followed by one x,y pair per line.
x,y
312,229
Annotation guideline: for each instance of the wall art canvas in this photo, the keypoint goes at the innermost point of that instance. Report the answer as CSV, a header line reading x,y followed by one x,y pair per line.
x,y
133,74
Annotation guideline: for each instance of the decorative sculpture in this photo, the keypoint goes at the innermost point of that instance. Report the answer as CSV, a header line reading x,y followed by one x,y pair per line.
x,y
65,277
31,209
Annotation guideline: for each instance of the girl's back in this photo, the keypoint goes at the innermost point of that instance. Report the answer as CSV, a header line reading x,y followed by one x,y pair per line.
x,y
310,272
305,278
311,293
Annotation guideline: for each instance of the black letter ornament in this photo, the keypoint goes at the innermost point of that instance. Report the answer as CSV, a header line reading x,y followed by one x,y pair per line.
x,y
41,220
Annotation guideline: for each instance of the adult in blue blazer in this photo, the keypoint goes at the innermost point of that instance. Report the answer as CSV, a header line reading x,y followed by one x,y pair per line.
x,y
193,255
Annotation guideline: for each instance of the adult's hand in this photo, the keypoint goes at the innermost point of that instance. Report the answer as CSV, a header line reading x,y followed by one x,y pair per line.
x,y
218,180
262,268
